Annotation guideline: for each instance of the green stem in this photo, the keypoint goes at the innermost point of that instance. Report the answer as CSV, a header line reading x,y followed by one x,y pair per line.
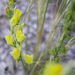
x,y
58,49
59,46
12,10
27,37
27,27
38,41
37,16
23,66
39,32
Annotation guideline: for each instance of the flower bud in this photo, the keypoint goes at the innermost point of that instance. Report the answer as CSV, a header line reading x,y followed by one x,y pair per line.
x,y
7,10
11,3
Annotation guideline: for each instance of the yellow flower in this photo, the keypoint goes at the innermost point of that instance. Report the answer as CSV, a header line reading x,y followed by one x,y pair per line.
x,y
53,69
17,12
14,20
18,47
20,36
9,39
21,25
28,59
15,53
18,27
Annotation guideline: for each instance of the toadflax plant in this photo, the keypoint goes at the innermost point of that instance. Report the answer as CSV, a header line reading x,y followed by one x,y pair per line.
x,y
54,44
16,36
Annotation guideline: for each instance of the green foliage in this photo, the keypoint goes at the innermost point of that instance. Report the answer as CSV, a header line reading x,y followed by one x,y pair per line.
x,y
9,9
26,65
17,42
14,44
67,37
68,14
55,60
15,0
72,5
40,71
69,17
11,4
9,14
53,51
62,49
68,21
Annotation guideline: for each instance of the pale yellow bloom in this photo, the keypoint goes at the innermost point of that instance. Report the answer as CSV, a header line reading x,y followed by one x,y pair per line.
x,y
20,36
17,12
14,20
52,69
21,25
15,53
18,46
18,27
9,39
28,59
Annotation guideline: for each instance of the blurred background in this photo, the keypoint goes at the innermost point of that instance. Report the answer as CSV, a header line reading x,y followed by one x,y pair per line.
x,y
7,66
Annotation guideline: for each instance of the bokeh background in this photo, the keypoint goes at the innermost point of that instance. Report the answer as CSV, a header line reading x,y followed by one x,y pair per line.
x,y
7,65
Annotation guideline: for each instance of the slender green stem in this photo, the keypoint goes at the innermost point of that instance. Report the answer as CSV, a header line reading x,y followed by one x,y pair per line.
x,y
12,10
49,42
23,66
58,50
40,29
27,28
39,38
26,14
59,46
37,15
45,12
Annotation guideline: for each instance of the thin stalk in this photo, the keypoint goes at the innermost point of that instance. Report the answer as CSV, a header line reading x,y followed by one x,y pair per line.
x,y
27,28
40,30
47,42
58,50
50,39
45,13
22,60
56,7
39,21
23,65
37,14
12,10
41,12
28,8
39,38
53,27
71,39
70,44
